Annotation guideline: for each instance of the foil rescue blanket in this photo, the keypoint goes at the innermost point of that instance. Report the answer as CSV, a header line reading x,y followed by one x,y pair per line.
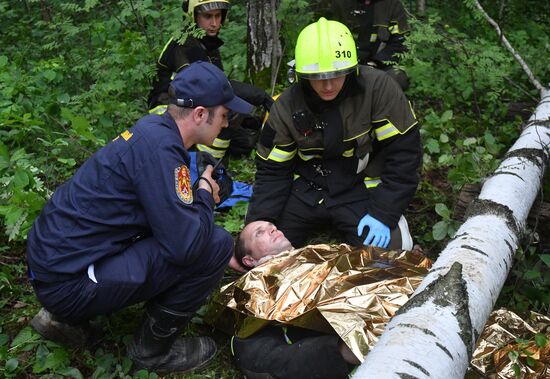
x,y
513,347
329,288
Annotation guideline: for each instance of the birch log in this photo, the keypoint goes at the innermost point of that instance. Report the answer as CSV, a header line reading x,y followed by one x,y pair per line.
x,y
434,333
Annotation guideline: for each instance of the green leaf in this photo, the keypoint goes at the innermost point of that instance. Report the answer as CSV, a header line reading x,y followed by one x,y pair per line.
x,y
63,98
49,75
439,230
4,339
540,340
79,124
531,362
4,152
546,259
442,210
26,335
67,161
469,141
71,372
513,355
531,274
126,365
18,155
447,115
59,357
3,60
21,178
443,138
11,365
432,145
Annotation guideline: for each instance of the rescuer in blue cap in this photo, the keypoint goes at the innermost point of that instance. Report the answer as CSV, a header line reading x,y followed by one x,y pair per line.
x,y
129,227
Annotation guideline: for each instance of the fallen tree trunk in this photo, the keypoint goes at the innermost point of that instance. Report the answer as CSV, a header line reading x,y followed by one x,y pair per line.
x,y
433,335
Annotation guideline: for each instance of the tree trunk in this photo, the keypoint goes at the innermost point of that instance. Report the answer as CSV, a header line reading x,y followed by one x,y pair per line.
x,y
433,335
264,46
420,7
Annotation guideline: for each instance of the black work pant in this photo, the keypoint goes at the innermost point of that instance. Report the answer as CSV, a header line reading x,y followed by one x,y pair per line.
x,y
299,220
302,354
140,273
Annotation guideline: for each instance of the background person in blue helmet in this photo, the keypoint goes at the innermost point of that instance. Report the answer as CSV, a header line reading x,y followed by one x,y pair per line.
x,y
129,228
340,149
210,16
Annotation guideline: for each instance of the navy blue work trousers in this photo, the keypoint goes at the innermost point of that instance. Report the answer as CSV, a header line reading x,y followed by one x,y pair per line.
x,y
140,273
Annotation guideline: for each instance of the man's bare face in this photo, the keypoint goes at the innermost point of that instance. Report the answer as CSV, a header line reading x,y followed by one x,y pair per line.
x,y
210,21
263,238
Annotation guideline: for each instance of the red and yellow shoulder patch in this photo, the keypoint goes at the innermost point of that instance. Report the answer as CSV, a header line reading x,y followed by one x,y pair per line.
x,y
183,184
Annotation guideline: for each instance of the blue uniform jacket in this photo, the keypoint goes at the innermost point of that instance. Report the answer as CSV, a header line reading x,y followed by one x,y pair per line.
x,y
137,186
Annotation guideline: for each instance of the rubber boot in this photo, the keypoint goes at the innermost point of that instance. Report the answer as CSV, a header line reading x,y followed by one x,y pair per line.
x,y
85,335
156,346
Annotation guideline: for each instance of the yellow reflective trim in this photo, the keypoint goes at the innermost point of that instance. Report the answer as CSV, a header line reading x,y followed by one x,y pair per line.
x,y
357,136
296,176
373,37
394,29
348,153
179,69
388,122
386,131
232,349
214,152
163,50
267,113
287,339
159,109
307,157
221,143
412,110
114,139
126,135
279,155
371,182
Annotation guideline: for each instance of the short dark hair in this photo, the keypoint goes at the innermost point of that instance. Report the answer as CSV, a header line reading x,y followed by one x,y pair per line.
x,y
241,250
182,112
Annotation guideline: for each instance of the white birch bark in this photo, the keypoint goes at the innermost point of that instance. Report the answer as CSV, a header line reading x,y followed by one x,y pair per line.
x,y
434,333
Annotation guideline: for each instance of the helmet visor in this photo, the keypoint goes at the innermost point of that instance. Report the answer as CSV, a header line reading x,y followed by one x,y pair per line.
x,y
326,75
212,6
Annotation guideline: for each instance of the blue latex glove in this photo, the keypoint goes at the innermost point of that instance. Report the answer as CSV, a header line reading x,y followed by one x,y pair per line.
x,y
379,233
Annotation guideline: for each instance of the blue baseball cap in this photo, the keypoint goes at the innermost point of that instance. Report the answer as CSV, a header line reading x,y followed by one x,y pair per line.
x,y
204,84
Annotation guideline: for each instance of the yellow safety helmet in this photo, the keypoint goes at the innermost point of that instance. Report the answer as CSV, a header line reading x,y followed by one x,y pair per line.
x,y
325,50
193,7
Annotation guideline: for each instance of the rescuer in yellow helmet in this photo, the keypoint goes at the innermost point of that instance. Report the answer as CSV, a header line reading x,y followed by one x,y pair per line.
x,y
210,16
340,148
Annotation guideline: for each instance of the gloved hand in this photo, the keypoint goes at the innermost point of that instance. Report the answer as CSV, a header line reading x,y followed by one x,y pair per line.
x,y
379,233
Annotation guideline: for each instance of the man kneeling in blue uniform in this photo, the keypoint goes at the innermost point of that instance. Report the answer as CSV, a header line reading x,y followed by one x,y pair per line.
x,y
129,227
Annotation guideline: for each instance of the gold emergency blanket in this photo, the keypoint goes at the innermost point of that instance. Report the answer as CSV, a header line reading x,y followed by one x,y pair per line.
x,y
329,288
507,341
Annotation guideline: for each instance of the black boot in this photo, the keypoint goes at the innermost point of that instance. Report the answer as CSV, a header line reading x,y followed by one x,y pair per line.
x,y
84,335
156,346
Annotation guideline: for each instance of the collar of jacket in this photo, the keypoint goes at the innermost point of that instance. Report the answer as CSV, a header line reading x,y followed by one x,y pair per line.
x,y
211,42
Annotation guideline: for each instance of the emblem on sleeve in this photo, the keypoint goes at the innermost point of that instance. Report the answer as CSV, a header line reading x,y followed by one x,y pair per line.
x,y
183,184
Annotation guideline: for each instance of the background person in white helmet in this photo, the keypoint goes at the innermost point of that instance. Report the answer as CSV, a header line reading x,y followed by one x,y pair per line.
x,y
210,16
340,148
